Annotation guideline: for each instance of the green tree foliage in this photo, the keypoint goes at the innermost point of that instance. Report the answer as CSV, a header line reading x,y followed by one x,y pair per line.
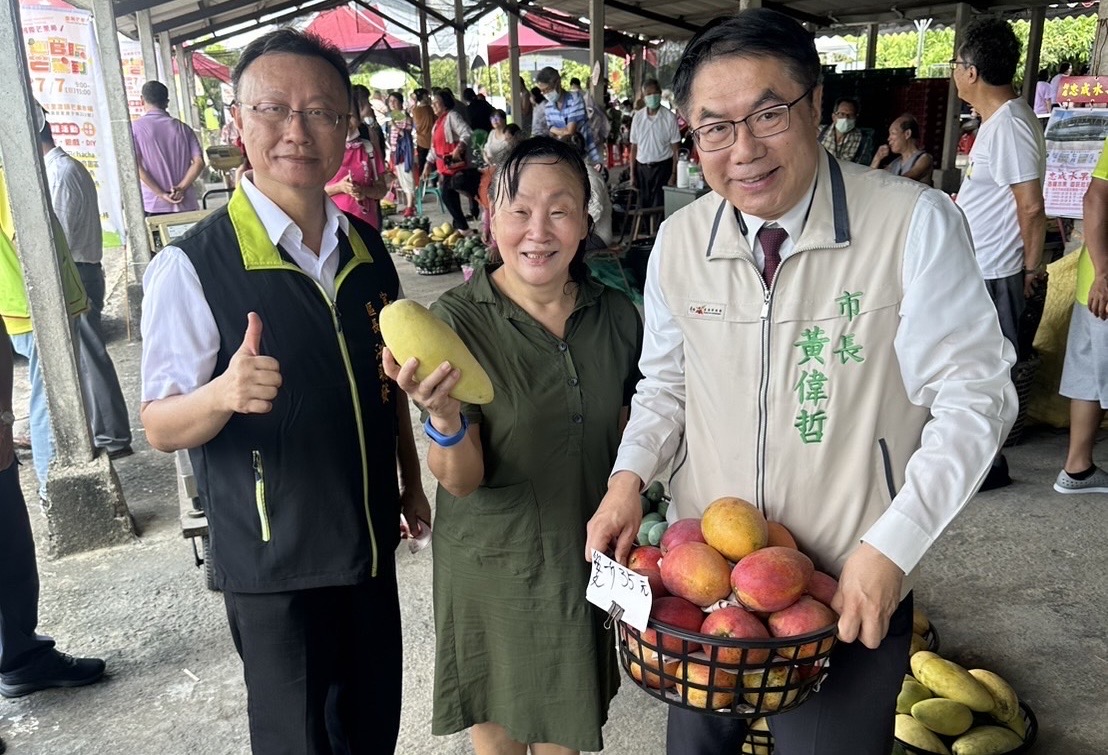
x,y
1064,39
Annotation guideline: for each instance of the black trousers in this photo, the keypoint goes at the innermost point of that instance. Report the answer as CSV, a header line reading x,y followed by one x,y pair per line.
x,y
19,643
651,178
322,667
421,160
852,714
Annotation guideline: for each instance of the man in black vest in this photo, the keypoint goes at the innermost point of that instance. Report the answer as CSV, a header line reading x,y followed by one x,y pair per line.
x,y
261,355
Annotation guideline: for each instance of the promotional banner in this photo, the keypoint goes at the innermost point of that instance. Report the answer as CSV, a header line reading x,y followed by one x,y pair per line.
x,y
65,78
1074,139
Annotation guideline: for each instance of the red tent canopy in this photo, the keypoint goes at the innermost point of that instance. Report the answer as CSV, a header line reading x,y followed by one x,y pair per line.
x,y
548,30
529,41
361,35
207,67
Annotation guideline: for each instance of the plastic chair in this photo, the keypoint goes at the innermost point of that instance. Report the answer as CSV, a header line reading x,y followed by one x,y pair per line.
x,y
427,185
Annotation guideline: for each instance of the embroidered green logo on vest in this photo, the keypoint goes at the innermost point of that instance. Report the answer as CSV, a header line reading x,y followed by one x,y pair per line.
x,y
849,304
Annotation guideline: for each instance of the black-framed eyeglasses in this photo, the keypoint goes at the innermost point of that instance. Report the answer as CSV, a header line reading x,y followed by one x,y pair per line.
x,y
964,63
316,119
762,123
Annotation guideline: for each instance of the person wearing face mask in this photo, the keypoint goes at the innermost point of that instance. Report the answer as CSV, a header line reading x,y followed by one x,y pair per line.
x,y
842,138
566,113
655,139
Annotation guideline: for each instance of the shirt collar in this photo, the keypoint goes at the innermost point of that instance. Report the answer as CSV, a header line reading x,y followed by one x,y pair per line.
x,y
57,153
484,291
792,221
280,227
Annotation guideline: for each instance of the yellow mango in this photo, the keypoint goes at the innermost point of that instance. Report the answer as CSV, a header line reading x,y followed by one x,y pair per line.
x,y
1007,703
911,692
943,716
987,740
410,330
911,731
920,622
949,680
918,659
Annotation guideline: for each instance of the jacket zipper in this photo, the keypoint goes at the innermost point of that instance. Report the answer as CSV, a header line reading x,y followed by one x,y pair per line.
x,y
358,419
259,495
763,394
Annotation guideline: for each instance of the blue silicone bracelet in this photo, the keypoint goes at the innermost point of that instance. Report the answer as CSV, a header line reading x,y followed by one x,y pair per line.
x,y
446,441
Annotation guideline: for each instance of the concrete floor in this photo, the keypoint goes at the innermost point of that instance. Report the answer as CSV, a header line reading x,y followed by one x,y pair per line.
x,y
1017,584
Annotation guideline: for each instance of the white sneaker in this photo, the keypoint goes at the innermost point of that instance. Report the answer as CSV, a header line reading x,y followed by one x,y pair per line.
x,y
1097,482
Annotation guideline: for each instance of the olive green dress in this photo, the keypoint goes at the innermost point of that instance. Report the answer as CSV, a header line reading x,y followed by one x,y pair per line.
x,y
516,642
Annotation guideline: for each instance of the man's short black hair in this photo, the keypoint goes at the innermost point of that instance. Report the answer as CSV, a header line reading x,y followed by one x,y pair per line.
x,y
849,101
993,49
575,82
155,93
468,94
754,33
652,83
292,42
550,77
420,94
1065,67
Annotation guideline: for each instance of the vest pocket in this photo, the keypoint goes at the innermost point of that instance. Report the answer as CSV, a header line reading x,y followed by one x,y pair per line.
x,y
259,495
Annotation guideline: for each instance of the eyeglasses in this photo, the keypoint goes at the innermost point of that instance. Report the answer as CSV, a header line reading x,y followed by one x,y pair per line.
x,y
963,63
762,123
316,119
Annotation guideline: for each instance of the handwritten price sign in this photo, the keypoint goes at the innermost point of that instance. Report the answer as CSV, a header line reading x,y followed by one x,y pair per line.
x,y
613,586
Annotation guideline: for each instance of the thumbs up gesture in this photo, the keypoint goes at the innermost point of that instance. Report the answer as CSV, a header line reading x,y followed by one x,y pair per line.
x,y
251,379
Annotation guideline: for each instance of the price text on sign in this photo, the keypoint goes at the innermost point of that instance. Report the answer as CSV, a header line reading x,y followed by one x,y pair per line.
x,y
609,583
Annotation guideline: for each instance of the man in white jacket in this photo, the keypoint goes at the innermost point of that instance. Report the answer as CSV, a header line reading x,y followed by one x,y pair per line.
x,y
819,342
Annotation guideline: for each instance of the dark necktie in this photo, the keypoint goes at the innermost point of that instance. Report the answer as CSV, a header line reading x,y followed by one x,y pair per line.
x,y
771,240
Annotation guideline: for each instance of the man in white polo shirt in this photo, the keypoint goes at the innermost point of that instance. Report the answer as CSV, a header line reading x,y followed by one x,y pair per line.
x,y
1002,194
654,141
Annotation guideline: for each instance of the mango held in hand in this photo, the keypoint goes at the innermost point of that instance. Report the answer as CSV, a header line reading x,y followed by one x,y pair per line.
x,y
410,330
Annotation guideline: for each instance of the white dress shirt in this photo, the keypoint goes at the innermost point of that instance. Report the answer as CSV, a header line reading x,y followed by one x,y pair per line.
x,y
73,196
939,480
180,337
654,135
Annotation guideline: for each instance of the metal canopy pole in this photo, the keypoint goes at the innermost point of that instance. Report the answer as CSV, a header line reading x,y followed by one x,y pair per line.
x,y
1098,66
872,30
147,45
597,61
134,215
460,39
513,70
168,78
949,177
1034,51
424,51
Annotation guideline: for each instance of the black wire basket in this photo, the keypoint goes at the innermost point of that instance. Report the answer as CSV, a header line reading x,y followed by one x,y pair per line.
x,y
725,676
757,742
983,719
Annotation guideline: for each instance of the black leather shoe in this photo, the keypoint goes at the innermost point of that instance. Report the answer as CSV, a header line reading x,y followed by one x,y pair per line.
x,y
997,476
120,453
51,669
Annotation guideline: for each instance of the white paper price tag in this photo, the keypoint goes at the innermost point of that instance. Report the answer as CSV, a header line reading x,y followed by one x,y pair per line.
x,y
611,585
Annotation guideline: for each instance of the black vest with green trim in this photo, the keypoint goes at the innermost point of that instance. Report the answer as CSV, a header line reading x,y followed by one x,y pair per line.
x,y
305,495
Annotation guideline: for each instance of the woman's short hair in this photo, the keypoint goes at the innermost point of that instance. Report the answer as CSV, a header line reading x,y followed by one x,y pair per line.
x,y
545,149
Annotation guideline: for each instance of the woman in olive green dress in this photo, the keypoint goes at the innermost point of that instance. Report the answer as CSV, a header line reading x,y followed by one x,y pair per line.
x,y
522,660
